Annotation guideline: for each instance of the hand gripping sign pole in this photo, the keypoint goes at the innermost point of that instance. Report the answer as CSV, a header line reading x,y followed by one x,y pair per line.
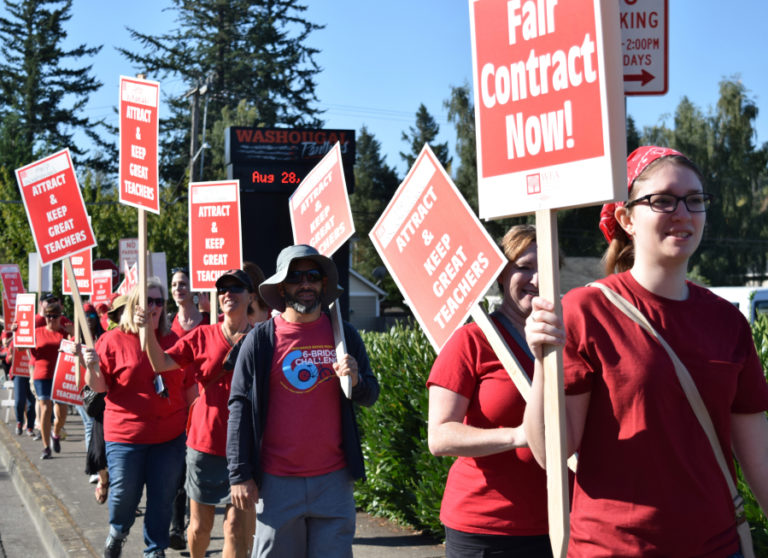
x,y
322,217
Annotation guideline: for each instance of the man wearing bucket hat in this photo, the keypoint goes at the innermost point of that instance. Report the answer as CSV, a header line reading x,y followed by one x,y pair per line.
x,y
292,439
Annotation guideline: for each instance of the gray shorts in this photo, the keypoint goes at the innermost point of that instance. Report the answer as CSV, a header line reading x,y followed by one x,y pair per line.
x,y
305,517
207,478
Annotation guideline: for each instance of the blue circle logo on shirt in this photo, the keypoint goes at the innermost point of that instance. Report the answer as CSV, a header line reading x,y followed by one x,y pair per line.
x,y
300,372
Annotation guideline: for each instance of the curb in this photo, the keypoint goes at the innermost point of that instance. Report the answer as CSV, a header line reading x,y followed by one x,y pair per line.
x,y
58,530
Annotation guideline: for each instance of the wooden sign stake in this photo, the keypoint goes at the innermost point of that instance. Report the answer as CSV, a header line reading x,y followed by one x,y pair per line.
x,y
341,344
558,500
142,271
79,313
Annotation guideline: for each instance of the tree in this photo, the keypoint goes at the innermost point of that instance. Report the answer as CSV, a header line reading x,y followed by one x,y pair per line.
x,y
461,113
375,184
42,95
425,131
242,51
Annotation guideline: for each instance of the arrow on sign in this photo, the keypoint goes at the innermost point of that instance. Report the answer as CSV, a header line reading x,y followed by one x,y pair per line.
x,y
643,77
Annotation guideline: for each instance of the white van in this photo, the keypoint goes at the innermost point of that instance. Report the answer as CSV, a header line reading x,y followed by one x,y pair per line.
x,y
752,301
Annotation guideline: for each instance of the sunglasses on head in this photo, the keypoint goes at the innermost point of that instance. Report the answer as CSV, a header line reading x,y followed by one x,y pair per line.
x,y
310,275
236,289
156,301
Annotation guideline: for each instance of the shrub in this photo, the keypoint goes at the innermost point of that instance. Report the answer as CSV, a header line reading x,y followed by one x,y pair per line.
x,y
405,482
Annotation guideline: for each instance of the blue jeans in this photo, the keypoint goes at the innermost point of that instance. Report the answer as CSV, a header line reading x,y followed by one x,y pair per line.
x,y
131,467
23,397
87,424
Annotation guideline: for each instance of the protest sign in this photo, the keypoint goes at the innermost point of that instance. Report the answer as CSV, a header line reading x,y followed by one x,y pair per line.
x,y
320,212
40,277
549,104
21,363
322,218
10,276
214,232
24,336
83,268
139,125
66,377
130,280
439,254
102,287
55,207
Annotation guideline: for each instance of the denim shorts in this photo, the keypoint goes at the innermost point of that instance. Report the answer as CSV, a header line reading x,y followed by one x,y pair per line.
x,y
207,478
43,389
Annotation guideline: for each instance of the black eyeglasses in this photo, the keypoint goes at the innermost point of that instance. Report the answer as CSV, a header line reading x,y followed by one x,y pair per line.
x,y
52,316
309,275
156,301
236,289
698,202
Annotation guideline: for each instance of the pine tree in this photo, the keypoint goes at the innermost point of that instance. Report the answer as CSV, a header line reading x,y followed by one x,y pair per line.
x,y
41,93
375,184
241,51
425,131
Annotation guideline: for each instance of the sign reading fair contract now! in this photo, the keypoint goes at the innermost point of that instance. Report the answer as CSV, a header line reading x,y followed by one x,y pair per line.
x,y
549,104
139,125
55,207
214,232
439,254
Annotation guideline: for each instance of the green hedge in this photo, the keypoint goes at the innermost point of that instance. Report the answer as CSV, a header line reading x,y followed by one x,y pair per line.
x,y
405,482
757,520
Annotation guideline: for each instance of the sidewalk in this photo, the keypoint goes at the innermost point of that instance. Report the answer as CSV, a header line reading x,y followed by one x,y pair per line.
x,y
70,522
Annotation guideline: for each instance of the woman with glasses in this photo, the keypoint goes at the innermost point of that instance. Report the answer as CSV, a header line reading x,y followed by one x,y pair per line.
x,y
207,481
144,420
648,482
43,361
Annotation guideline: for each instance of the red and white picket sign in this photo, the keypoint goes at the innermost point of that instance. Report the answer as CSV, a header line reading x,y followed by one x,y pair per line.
x,y
130,280
82,265
10,277
25,320
549,104
214,232
102,287
139,125
320,212
21,363
439,254
55,207
65,378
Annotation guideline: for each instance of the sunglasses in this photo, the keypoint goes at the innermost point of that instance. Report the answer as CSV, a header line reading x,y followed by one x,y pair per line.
x,y
311,276
92,315
156,301
235,289
52,316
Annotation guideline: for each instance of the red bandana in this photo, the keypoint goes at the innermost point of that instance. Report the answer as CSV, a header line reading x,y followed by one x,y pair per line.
x,y
637,162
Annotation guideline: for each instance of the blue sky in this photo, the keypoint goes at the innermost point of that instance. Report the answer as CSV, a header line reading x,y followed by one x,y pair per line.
x,y
381,60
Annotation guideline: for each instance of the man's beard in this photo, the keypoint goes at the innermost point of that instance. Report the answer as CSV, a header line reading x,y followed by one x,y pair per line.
x,y
301,307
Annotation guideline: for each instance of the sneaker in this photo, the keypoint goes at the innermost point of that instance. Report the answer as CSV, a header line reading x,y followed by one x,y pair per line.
x,y
159,553
93,479
30,432
18,429
113,547
37,436
63,433
56,444
176,540
46,453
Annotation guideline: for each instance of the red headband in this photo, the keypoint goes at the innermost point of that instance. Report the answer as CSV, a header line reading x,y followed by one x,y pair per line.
x,y
637,162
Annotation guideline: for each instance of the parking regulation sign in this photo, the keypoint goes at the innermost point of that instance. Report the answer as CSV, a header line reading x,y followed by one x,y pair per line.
x,y
645,46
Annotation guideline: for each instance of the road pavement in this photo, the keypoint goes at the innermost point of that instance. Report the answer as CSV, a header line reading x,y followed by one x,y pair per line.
x,y
49,508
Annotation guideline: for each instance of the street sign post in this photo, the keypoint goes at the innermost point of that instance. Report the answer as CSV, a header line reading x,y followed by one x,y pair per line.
x,y
645,46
